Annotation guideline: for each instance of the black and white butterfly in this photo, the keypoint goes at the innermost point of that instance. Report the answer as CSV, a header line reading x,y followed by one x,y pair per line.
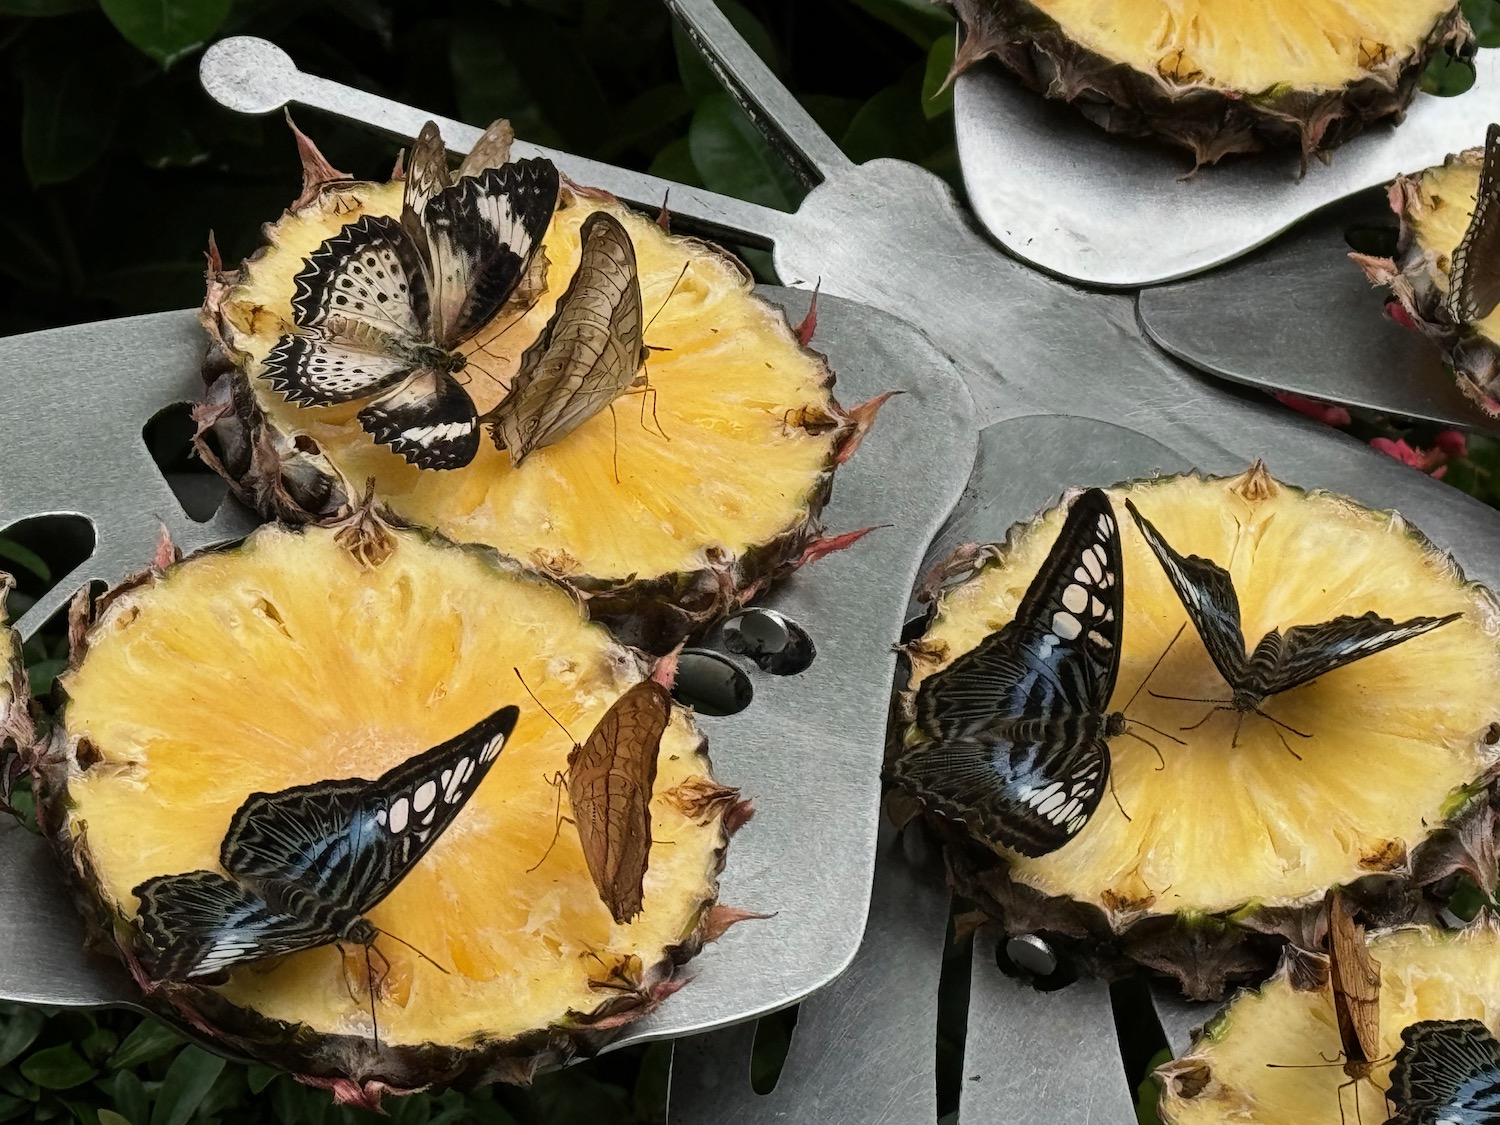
x,y
1280,661
1447,1073
1012,737
306,864
381,307
1474,274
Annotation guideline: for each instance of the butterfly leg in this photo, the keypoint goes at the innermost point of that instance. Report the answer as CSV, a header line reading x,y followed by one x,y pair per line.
x,y
556,781
1283,726
1161,762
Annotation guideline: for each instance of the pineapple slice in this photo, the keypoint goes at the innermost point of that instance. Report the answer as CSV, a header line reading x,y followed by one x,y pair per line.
x,y
319,654
664,513
15,699
1223,840
1228,1076
1219,76
1435,207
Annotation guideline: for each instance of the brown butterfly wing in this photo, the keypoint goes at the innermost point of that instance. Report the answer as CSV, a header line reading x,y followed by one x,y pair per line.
x,y
610,778
587,355
426,175
491,150
1474,277
1354,977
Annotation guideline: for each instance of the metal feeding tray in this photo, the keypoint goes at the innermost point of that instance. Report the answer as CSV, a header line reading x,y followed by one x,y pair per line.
x,y
1063,388
1121,212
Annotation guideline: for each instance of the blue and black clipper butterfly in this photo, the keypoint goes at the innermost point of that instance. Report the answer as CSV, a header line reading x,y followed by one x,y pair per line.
x,y
305,865
1012,737
381,307
1447,1073
1281,661
1474,273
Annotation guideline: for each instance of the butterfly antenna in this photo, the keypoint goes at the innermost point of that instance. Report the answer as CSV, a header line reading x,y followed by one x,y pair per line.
x,y
1212,712
418,952
1115,795
1157,730
1189,698
1154,667
514,321
1283,726
668,297
543,706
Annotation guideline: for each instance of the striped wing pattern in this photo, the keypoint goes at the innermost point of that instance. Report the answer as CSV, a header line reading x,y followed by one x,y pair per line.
x,y
381,306
305,863
1447,1073
587,355
610,779
1011,737
1474,275
1280,661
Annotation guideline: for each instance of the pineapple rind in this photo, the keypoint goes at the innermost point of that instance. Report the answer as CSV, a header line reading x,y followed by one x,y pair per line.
x,y
1435,206
1315,95
699,522
16,734
1203,883
1426,973
271,666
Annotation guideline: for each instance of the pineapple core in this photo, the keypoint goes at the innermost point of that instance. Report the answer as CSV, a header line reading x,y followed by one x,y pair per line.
x,y
284,662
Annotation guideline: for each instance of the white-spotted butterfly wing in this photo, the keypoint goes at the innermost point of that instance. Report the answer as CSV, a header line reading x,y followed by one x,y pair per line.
x,y
332,850
1011,738
587,355
1474,273
1446,1073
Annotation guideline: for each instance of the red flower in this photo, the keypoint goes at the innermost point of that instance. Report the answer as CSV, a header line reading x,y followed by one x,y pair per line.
x,y
1453,443
1329,415
1431,461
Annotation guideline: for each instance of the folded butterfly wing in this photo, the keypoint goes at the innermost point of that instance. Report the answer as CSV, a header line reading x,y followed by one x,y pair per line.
x,y
1354,977
1474,275
610,778
587,355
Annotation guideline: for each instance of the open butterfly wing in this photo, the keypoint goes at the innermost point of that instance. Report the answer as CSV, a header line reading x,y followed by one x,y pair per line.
x,y
1310,651
1207,593
1447,1073
588,353
1059,656
1354,978
429,419
1474,275
311,369
1030,794
350,842
481,234
200,923
610,778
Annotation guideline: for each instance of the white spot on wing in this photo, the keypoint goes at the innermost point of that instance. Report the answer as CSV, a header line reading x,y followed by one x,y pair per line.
x,y
1075,597
426,793
399,812
1065,625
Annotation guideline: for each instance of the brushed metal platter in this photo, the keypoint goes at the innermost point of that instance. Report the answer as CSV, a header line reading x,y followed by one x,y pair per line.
x,y
1066,388
1116,212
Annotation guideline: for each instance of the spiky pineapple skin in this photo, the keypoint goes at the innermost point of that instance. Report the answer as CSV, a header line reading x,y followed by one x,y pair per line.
x,y
1207,953
351,1067
287,477
1210,123
16,730
1417,279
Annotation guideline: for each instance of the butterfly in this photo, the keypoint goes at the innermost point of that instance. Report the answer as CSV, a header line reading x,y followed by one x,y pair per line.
x,y
1354,978
1012,737
1447,1073
1280,661
589,352
304,865
1474,273
609,779
381,307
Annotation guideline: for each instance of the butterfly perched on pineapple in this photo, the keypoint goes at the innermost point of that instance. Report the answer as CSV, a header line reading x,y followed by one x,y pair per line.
x,y
586,356
1280,661
1447,1073
1474,271
1012,737
304,865
382,306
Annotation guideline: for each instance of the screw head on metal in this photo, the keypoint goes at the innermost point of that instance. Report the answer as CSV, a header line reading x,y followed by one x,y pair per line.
x,y
1031,953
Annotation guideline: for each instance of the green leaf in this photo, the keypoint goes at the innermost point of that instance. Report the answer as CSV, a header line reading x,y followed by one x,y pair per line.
x,y
1484,18
70,107
25,557
1148,1092
12,1107
150,1040
732,156
189,1078
43,7
18,1031
921,21
890,124
939,63
128,1093
1447,76
99,1044
166,29
259,1077
110,1117
57,1068
697,76
675,162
